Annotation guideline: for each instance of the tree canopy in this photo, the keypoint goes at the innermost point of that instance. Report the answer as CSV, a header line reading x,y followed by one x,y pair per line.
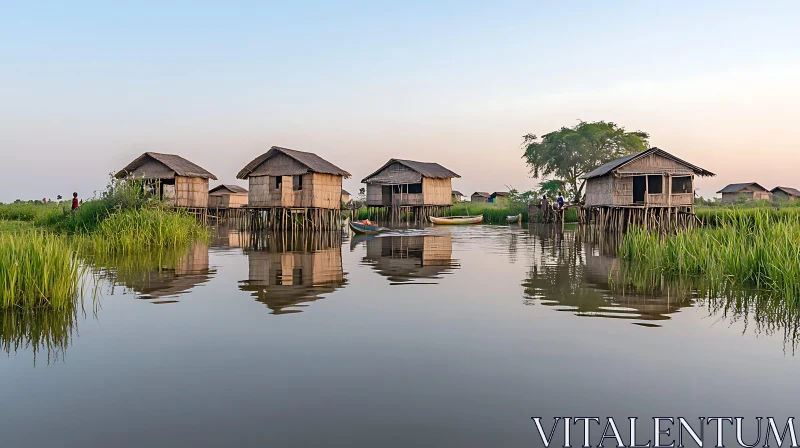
x,y
569,153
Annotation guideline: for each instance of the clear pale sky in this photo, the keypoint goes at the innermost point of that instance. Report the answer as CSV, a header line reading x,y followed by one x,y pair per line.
x,y
85,87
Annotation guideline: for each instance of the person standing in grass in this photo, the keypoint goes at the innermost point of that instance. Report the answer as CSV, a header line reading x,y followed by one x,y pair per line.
x,y
74,201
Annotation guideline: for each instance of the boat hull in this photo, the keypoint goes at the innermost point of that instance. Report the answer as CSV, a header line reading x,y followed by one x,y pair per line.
x,y
365,229
456,220
514,219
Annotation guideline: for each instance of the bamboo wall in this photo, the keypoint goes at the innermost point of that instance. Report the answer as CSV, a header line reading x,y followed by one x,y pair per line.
x,y
616,188
749,193
437,191
319,191
191,192
782,195
434,192
227,200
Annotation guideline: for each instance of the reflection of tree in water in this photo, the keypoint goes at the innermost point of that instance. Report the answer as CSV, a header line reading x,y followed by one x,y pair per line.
x,y
579,273
157,274
406,259
288,270
39,330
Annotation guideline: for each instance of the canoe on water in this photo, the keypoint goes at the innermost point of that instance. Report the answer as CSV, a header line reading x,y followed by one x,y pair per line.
x,y
514,219
457,220
365,229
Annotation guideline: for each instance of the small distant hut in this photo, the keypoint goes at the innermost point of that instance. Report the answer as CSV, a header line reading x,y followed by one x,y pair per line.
x,y
172,178
499,197
345,196
750,191
286,182
227,196
787,193
406,186
480,196
458,196
651,187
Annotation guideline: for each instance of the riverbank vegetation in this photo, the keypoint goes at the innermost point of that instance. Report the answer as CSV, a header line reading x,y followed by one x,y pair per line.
x,y
752,248
43,247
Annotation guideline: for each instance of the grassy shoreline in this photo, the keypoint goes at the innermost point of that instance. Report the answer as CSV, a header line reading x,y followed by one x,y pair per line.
x,y
44,248
749,248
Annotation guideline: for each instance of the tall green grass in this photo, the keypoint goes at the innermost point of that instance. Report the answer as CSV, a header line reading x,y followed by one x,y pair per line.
x,y
135,231
748,248
38,269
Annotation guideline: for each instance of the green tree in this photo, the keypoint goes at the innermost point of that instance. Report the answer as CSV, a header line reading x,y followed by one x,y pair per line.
x,y
569,153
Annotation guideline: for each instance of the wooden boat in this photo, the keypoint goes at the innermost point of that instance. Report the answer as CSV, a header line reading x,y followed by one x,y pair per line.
x,y
365,229
456,220
514,219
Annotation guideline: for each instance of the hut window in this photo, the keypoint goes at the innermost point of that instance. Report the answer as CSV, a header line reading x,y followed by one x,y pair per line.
x,y
655,184
682,184
278,182
414,188
297,183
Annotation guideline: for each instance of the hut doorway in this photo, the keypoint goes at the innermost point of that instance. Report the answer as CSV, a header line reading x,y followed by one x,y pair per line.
x,y
639,188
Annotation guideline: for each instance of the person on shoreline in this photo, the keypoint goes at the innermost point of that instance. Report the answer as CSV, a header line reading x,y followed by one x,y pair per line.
x,y
75,204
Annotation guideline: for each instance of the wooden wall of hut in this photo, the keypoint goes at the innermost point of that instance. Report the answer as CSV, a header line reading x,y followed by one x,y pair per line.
x,y
307,190
191,192
227,200
437,191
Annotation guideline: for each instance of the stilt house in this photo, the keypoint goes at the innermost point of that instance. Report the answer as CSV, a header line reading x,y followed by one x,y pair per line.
x,y
227,196
408,183
172,178
785,193
750,191
288,178
651,178
480,196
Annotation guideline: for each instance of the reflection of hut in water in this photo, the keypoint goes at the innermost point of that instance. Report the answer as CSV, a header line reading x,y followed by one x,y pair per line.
x,y
287,271
190,270
573,276
226,237
406,258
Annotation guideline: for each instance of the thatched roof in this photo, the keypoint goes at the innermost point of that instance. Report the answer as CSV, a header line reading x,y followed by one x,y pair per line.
x,y
499,193
735,188
618,163
425,169
482,194
313,162
177,164
345,193
788,190
457,193
230,187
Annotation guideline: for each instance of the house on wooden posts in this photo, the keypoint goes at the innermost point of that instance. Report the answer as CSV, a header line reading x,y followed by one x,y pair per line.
x,y
787,193
418,187
651,178
345,196
750,191
480,196
177,181
288,178
458,196
499,197
227,196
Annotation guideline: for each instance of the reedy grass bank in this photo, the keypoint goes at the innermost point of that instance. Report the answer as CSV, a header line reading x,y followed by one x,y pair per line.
x,y
38,269
749,249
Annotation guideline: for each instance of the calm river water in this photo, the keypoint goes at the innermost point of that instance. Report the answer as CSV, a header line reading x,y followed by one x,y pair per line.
x,y
435,337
